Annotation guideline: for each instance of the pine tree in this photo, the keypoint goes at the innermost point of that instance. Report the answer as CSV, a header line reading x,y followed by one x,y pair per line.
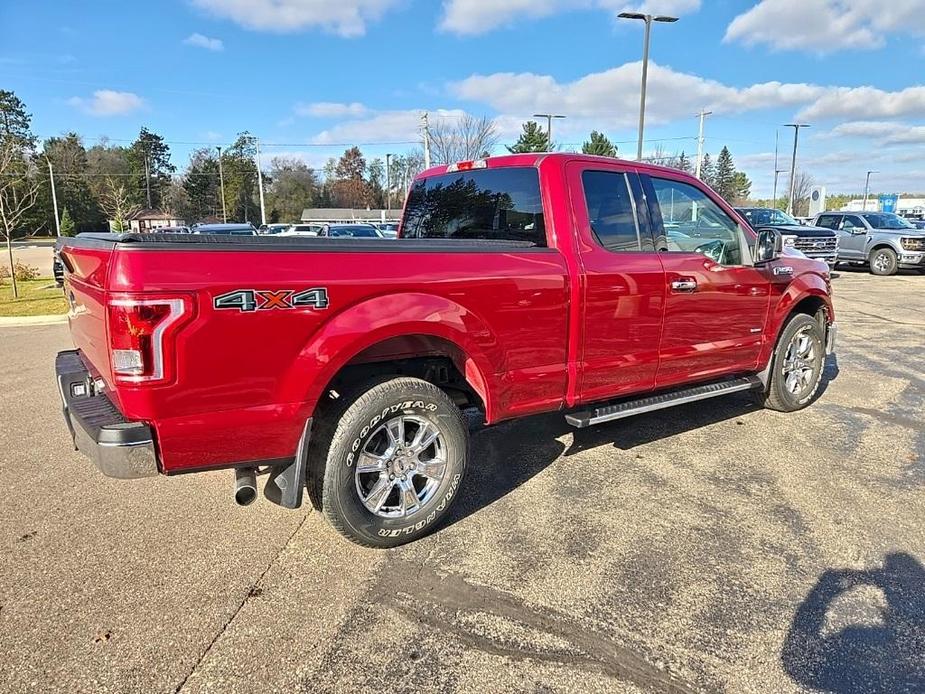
x,y
683,163
600,145
532,139
741,188
707,171
723,179
67,224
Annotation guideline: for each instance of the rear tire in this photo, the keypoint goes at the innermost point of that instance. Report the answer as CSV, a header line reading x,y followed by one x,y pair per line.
x,y
797,365
387,465
883,262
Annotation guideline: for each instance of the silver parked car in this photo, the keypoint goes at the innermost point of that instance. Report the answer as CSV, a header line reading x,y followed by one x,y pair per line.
x,y
884,240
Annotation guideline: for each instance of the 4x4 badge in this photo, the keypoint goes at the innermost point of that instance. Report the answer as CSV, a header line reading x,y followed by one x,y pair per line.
x,y
248,300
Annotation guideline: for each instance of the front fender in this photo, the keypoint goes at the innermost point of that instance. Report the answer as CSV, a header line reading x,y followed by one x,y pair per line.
x,y
803,286
363,325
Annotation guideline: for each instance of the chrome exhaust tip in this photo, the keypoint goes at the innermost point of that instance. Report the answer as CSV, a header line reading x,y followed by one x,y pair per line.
x,y
245,486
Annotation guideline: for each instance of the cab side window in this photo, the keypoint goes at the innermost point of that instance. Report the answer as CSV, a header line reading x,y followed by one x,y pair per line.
x,y
828,221
695,224
611,210
853,224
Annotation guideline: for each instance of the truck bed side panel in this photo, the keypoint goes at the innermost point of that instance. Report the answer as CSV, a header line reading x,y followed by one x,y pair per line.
x,y
247,380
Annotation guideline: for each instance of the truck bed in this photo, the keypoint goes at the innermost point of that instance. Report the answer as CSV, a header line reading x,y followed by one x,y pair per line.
x,y
249,379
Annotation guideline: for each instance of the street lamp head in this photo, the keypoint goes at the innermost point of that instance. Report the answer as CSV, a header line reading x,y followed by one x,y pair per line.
x,y
664,18
797,125
631,15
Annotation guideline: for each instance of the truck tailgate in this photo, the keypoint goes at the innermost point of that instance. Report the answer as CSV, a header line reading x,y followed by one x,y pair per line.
x,y
85,288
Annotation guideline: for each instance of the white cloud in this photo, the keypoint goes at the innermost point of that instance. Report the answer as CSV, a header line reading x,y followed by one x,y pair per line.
x,y
329,109
825,26
344,17
864,103
479,16
200,41
384,126
882,132
108,102
613,95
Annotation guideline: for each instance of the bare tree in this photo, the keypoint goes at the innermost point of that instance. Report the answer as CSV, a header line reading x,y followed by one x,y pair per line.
x,y
465,139
116,202
801,192
19,190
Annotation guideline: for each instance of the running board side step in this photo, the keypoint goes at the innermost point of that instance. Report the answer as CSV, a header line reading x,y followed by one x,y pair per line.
x,y
607,413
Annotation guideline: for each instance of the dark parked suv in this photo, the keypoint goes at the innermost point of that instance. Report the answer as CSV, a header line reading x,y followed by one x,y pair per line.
x,y
812,241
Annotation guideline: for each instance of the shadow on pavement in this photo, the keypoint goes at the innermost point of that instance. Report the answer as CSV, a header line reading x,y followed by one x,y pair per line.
x,y
861,630
507,455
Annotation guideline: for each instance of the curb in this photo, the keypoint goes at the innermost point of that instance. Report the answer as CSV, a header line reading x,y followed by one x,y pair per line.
x,y
19,321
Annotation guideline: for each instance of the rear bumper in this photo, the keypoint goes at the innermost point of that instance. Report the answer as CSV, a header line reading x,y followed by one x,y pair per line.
x,y
118,447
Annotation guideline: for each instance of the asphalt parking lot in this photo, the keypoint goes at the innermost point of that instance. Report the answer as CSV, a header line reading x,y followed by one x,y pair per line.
x,y
714,547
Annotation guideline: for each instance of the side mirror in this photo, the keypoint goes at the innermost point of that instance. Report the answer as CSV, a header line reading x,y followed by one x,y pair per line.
x,y
768,247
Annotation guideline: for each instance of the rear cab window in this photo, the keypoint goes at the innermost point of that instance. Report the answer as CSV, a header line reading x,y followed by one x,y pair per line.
x,y
611,210
500,204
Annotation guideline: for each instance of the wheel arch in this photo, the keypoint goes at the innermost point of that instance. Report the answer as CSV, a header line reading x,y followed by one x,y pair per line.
x,y
408,333
880,245
808,294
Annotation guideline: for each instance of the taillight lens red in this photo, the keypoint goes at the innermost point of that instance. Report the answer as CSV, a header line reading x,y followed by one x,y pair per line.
x,y
140,331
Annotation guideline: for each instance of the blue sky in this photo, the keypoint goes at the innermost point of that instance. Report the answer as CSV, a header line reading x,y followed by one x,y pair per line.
x,y
310,76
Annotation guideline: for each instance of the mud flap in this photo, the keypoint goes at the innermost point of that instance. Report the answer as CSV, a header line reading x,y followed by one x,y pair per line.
x,y
287,482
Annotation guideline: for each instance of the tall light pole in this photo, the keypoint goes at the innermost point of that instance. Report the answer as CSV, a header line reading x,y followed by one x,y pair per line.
x,y
388,183
703,114
548,117
263,209
867,189
648,19
793,162
54,196
221,180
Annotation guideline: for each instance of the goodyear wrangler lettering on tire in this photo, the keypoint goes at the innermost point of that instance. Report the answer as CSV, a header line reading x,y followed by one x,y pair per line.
x,y
396,458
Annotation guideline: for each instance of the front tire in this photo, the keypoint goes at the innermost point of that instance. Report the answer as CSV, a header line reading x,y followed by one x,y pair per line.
x,y
883,262
797,364
394,462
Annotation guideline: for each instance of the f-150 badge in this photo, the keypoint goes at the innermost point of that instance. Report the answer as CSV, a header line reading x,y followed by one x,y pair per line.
x,y
248,300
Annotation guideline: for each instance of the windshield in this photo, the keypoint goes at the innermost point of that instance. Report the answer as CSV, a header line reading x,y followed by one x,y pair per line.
x,y
768,216
887,220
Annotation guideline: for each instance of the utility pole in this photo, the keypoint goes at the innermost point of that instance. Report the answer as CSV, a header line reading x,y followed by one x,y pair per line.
x,y
867,189
703,114
793,162
263,209
426,128
648,19
221,180
147,179
388,183
54,196
548,117
777,170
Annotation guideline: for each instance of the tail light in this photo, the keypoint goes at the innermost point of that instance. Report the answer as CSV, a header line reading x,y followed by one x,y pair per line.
x,y
140,332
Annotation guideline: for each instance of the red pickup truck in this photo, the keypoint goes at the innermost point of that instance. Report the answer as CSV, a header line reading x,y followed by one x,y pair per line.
x,y
521,284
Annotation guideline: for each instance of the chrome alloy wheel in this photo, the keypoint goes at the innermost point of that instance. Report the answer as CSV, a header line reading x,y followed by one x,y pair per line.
x,y
800,362
882,262
401,466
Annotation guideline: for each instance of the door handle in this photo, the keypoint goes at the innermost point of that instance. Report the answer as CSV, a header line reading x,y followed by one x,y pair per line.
x,y
684,284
